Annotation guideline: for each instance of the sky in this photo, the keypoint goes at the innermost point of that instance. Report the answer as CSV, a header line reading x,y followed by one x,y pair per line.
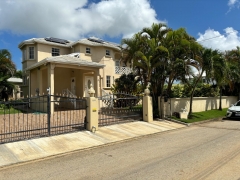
x,y
213,23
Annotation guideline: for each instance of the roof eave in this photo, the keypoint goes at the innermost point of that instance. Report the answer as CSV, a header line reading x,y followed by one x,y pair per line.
x,y
45,61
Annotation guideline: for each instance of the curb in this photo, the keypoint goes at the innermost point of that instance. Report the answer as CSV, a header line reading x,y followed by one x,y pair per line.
x,y
205,121
195,123
176,121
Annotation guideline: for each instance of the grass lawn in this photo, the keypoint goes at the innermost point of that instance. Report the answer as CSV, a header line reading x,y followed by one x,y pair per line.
x,y
9,111
205,115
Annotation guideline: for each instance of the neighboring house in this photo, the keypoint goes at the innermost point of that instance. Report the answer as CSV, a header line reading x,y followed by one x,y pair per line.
x,y
70,67
16,92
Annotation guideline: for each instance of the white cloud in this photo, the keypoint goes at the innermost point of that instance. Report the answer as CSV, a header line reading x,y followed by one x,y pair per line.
x,y
215,40
232,2
76,18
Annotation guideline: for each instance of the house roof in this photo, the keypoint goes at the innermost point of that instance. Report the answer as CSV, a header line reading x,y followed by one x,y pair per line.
x,y
68,60
43,41
15,80
87,41
91,42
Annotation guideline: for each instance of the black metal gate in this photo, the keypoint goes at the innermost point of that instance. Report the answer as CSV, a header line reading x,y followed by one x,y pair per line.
x,y
32,117
119,108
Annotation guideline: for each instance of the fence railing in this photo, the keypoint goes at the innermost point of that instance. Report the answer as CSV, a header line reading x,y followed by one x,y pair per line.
x,y
32,117
118,108
122,70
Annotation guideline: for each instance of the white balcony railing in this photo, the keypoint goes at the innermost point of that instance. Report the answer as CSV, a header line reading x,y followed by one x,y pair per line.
x,y
122,70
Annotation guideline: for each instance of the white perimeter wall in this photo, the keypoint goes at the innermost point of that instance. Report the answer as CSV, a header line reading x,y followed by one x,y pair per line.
x,y
199,103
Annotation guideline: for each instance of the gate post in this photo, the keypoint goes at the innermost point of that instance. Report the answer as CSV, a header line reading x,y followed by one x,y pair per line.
x,y
92,111
147,106
49,114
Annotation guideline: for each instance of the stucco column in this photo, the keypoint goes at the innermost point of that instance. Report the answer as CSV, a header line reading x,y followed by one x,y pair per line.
x,y
51,83
96,82
147,106
92,111
29,84
39,76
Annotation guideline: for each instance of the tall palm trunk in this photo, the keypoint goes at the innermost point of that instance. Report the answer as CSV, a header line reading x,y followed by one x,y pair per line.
x,y
191,96
220,99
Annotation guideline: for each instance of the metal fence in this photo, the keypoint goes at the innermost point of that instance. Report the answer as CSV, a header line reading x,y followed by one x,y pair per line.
x,y
32,117
119,108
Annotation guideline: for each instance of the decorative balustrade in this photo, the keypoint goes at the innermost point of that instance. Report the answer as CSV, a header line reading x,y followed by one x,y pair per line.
x,y
122,70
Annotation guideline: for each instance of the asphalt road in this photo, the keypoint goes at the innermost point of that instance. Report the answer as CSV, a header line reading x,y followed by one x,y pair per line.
x,y
207,151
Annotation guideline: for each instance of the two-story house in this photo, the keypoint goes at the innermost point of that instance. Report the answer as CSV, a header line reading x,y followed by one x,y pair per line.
x,y
70,67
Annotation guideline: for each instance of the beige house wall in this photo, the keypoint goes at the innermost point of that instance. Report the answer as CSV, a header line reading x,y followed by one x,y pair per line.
x,y
199,103
62,76
45,50
28,63
33,82
44,80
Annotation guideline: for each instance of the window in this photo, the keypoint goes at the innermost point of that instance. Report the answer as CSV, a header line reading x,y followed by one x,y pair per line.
x,y
31,52
55,52
117,63
25,80
24,54
107,52
88,50
108,81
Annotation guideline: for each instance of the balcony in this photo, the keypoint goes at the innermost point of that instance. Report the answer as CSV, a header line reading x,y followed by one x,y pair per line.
x,y
122,70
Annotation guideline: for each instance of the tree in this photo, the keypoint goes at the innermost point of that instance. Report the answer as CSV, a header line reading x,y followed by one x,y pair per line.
x,y
18,74
233,64
219,73
7,69
203,62
147,53
127,84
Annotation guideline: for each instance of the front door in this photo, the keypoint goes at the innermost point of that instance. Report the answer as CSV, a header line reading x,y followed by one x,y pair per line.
x,y
88,81
73,85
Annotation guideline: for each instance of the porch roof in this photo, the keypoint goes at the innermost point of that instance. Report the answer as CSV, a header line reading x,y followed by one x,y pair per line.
x,y
68,60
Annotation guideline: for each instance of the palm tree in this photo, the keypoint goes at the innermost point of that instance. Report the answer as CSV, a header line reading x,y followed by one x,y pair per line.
x,y
219,73
233,64
147,52
7,69
203,62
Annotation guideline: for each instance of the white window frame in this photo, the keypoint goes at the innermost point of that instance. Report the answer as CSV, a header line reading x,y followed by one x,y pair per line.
x,y
108,53
55,52
31,52
117,63
88,50
108,81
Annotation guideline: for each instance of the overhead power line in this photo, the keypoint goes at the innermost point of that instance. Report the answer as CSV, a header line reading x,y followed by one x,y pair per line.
x,y
217,36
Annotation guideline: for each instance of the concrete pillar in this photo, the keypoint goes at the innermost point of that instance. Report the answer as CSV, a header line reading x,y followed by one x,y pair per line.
x,y
96,82
92,111
51,83
147,107
39,76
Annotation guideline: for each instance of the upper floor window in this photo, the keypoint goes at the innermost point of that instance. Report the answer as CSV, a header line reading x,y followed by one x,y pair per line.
x,y
31,52
107,52
108,81
117,63
24,54
55,52
88,50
